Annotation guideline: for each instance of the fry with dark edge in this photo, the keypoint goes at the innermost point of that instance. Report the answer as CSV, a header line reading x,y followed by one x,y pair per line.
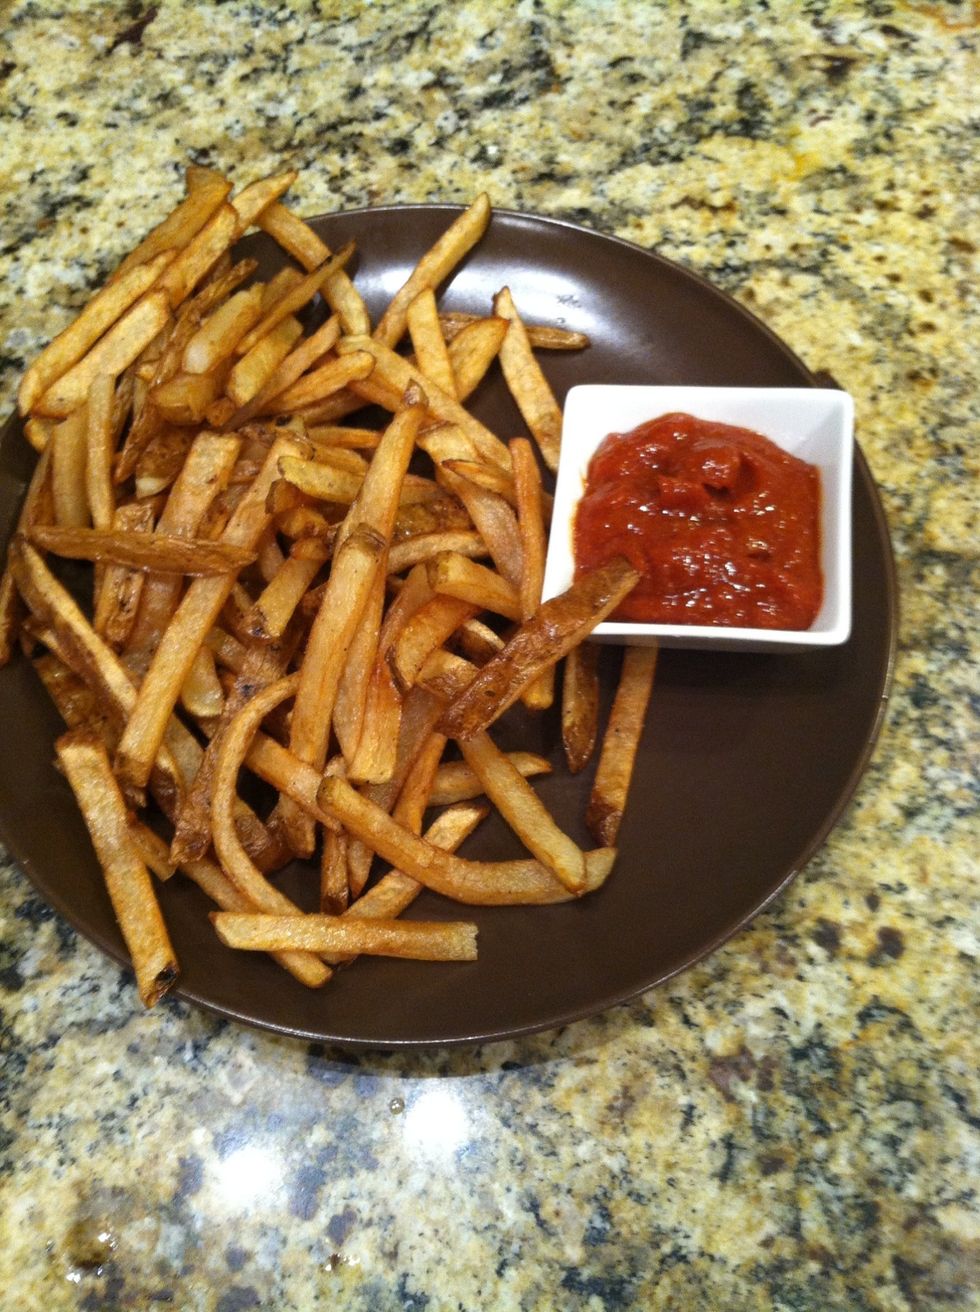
x,y
622,738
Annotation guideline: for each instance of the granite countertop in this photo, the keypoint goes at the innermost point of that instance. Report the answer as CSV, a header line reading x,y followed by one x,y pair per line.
x,y
792,1124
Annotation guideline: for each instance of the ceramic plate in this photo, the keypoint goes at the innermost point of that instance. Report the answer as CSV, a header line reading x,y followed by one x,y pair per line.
x,y
746,762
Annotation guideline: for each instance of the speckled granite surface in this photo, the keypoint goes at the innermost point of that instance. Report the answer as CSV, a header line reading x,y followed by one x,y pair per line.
x,y
793,1125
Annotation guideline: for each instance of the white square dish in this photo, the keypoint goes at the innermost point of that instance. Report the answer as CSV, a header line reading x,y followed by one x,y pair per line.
x,y
813,424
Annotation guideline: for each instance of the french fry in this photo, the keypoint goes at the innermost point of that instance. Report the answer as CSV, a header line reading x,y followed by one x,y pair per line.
x,y
539,643
431,625
159,552
197,613
329,379
186,398
394,373
121,588
461,236
580,705
252,201
456,781
479,883
334,889
352,691
337,437
99,444
299,239
451,575
235,861
431,355
417,940
359,549
295,364
220,334
37,430
530,523
471,353
491,477
295,298
618,756
547,337
527,383
69,452
426,546
272,610
496,522
254,369
103,311
524,811
86,765
177,229
200,255
202,693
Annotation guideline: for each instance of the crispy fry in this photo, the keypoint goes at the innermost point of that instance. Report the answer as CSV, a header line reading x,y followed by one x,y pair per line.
x,y
618,756
299,239
540,642
99,443
330,378
202,693
86,765
426,546
352,691
429,345
121,587
221,332
200,255
104,310
295,298
530,522
452,575
479,883
334,889
185,398
235,861
335,437
580,705
68,456
251,373
150,551
252,201
414,939
491,477
267,618
456,781
195,616
460,237
546,337
181,224
472,351
431,625
306,353
527,383
495,521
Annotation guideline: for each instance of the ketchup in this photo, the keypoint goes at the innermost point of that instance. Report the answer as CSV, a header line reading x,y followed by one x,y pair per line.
x,y
723,525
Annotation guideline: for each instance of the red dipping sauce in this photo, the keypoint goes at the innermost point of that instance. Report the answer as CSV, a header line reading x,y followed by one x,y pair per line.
x,y
723,525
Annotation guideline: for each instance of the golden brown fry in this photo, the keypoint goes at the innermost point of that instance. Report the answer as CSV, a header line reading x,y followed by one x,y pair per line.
x,y
429,345
548,337
430,626
251,373
252,201
479,642
452,575
121,588
200,255
618,756
68,456
334,889
220,334
202,693
426,546
272,610
491,477
161,460
472,351
299,239
352,691
495,521
396,374
434,266
102,312
205,196
540,642
295,298
185,398
86,765
524,811
329,379
479,883
306,353
455,781
159,552
527,383
194,618
334,437
235,861
413,939
99,443
534,544
580,705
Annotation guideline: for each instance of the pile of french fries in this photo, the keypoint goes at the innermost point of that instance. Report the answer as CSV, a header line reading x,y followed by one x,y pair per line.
x,y
280,590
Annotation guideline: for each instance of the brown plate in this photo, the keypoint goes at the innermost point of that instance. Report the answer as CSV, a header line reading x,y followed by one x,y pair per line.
x,y
746,763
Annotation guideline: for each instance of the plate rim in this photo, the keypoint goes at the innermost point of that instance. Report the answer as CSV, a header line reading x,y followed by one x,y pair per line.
x,y
814,379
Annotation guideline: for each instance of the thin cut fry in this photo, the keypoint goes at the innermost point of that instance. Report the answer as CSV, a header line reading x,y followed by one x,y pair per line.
x,y
545,337
295,298
580,705
426,546
460,237
320,383
68,457
414,939
428,342
180,225
618,756
86,765
495,520
472,351
299,239
530,523
202,693
150,551
220,334
456,781
334,889
527,383
99,441
200,255
102,311
121,588
251,373
451,575
540,642
252,201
